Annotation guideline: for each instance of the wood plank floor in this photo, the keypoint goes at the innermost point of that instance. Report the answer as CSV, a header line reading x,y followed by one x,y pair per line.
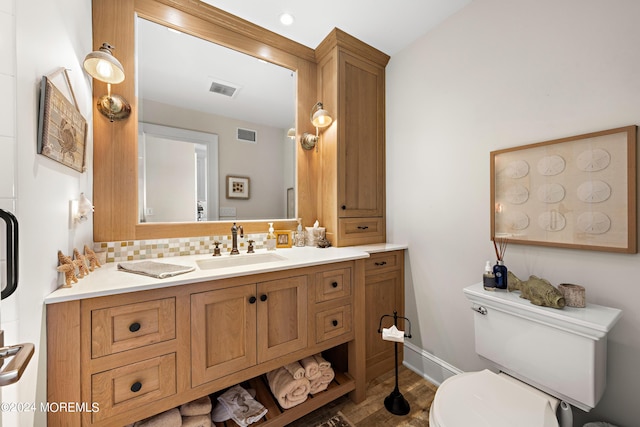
x,y
372,413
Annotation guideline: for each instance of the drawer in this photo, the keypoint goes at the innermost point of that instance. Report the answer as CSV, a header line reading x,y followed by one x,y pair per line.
x,y
360,231
382,261
132,386
333,323
130,326
333,284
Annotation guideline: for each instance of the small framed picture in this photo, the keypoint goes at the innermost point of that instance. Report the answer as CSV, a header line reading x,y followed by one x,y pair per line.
x,y
283,238
237,187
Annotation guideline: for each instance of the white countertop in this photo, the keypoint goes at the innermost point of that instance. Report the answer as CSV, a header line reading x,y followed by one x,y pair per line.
x,y
107,280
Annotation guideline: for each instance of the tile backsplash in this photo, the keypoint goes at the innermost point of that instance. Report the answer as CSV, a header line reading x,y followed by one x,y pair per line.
x,y
162,248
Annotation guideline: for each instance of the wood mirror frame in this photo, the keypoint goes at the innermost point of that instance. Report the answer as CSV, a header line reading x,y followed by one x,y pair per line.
x,y
115,165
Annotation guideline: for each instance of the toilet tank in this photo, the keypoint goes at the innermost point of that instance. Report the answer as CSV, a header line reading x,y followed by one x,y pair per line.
x,y
562,352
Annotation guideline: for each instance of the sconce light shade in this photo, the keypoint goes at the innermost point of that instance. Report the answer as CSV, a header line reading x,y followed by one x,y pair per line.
x,y
320,118
102,65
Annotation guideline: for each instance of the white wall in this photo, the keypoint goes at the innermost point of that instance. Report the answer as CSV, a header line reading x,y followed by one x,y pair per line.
x,y
48,35
500,74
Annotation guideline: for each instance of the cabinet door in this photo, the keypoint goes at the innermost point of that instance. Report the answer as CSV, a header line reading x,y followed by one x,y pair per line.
x,y
361,138
383,295
282,317
223,332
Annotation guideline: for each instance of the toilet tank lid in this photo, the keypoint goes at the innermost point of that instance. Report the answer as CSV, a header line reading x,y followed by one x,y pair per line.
x,y
486,399
594,321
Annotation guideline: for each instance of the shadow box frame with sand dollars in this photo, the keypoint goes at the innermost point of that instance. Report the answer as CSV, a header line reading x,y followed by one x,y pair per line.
x,y
577,192
62,130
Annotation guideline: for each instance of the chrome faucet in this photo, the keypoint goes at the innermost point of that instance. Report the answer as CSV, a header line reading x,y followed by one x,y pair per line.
x,y
234,237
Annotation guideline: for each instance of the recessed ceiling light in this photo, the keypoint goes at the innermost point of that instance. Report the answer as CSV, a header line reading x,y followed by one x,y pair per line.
x,y
286,19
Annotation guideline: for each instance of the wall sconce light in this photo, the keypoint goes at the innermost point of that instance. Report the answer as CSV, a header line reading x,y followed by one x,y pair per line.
x,y
320,118
80,209
103,66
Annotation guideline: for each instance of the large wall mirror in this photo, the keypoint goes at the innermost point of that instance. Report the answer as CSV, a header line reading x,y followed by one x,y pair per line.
x,y
137,29
200,92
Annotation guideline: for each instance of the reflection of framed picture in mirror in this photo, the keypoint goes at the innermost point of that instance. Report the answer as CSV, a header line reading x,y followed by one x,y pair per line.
x,y
283,238
237,187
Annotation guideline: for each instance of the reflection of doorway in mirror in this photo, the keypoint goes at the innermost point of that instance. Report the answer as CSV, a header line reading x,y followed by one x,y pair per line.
x,y
178,180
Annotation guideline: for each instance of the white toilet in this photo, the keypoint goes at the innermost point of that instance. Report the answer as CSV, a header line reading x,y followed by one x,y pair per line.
x,y
546,357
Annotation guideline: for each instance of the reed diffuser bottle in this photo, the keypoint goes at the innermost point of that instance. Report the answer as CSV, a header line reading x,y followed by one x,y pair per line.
x,y
500,270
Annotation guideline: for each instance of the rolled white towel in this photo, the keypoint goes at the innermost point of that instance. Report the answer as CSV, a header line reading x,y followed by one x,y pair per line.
x,y
197,421
170,418
295,369
322,363
200,406
322,382
288,391
311,368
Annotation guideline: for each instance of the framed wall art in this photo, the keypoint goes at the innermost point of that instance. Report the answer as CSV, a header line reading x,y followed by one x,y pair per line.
x,y
577,192
62,130
237,187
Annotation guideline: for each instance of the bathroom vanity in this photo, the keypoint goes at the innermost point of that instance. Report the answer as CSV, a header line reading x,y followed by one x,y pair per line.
x,y
133,346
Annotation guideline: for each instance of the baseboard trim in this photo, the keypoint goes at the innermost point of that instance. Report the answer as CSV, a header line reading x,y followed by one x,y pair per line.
x,y
430,367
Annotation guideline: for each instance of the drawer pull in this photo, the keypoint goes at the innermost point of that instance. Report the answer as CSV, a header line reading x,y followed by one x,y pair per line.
x,y
363,227
252,300
136,387
334,322
344,207
334,284
380,264
263,297
134,327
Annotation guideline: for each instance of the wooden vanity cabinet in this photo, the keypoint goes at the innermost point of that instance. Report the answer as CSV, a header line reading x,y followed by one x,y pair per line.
x,y
384,294
351,85
140,353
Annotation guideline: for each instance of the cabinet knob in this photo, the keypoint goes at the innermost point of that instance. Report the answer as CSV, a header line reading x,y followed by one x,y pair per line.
x,y
252,300
344,207
263,297
363,227
134,327
380,264
135,387
334,284
334,322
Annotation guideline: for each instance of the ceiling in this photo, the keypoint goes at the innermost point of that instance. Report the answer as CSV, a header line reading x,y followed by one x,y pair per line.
x,y
389,26
267,92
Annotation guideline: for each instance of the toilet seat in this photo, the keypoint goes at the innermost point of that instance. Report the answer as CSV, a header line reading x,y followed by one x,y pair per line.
x,y
486,399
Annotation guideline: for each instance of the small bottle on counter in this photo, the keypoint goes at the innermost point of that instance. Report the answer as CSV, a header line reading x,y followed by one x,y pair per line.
x,y
488,278
271,238
299,235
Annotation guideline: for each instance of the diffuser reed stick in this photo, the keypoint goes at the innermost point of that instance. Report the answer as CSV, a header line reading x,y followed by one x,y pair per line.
x,y
500,247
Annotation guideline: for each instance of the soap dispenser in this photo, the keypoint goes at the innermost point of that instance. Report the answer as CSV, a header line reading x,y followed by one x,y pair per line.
x,y
488,278
271,238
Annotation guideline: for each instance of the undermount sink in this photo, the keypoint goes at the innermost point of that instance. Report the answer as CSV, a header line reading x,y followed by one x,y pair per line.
x,y
237,260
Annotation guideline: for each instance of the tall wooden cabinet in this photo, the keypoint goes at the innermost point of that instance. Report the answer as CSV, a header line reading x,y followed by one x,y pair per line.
x,y
351,85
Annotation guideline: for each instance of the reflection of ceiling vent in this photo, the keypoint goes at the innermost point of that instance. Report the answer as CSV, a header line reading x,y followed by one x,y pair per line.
x,y
224,88
247,135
